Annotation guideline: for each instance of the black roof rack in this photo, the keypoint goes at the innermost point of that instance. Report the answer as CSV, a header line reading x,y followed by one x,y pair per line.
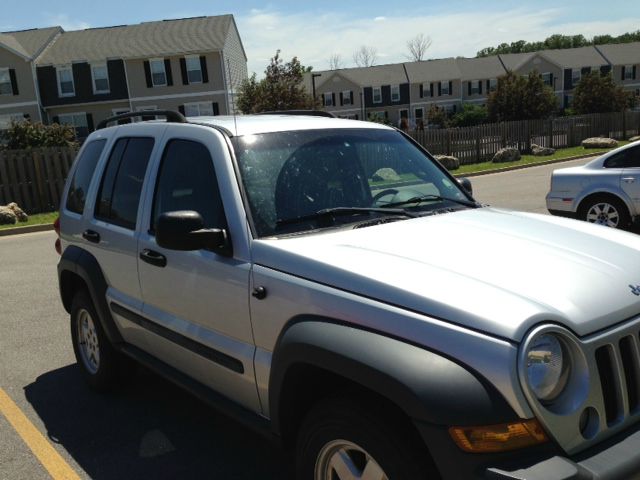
x,y
311,113
172,116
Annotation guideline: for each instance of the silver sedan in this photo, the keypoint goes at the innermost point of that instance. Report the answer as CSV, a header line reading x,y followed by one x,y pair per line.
x,y
605,191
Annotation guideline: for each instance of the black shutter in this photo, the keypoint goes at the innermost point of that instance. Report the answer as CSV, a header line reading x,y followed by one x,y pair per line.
x,y
585,70
622,74
431,89
341,99
439,89
90,122
454,108
181,107
568,82
216,110
333,99
14,81
147,73
351,96
634,72
480,87
55,119
203,67
183,71
386,114
469,87
167,69
488,86
450,88
421,90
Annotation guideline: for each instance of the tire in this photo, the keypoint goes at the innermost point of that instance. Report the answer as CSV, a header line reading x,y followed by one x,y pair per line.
x,y
340,434
605,210
102,366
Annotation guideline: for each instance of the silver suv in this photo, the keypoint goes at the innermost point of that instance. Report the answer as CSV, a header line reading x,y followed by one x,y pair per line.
x,y
328,282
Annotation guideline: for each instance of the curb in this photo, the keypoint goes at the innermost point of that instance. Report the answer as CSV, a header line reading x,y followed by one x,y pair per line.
x,y
30,229
527,165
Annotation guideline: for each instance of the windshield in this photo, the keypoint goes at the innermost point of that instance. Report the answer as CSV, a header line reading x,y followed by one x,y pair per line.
x,y
294,181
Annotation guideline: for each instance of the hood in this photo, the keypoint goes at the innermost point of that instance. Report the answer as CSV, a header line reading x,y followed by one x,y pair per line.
x,y
492,270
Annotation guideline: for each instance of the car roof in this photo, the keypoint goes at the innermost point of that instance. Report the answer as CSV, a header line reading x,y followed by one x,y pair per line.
x,y
256,124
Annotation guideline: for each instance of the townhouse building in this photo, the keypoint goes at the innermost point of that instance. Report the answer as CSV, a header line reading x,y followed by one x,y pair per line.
x,y
19,96
449,83
194,65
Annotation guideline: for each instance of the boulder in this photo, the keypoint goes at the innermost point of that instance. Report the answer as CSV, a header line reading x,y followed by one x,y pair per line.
x,y
539,151
386,175
599,142
506,155
449,162
11,214
635,139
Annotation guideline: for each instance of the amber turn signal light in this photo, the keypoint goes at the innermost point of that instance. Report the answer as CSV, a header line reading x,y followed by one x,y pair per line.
x,y
498,438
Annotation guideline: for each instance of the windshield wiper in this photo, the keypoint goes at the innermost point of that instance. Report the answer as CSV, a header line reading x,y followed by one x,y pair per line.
x,y
345,211
424,198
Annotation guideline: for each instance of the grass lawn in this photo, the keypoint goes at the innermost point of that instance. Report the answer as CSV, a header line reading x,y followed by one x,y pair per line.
x,y
532,160
36,219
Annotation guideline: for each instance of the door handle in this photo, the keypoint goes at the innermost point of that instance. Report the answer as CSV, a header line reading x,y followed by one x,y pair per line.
x,y
153,258
91,236
629,179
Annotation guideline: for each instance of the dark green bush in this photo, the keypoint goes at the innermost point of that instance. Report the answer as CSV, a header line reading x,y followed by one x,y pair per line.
x,y
24,135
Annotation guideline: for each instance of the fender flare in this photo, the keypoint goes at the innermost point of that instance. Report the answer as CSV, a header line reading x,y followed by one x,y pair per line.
x,y
427,386
84,265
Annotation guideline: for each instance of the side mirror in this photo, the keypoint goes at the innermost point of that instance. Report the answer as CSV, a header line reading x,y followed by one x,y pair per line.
x,y
184,230
466,184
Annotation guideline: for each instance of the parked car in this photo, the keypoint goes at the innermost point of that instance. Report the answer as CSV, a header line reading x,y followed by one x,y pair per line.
x,y
329,283
605,191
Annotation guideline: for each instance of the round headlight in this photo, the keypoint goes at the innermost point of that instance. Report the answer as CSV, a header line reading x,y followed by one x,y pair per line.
x,y
548,366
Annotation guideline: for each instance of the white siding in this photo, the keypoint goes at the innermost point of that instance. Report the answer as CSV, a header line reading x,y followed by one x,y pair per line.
x,y
235,62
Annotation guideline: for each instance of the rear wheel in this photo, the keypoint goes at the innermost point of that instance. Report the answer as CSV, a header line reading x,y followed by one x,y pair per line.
x,y
341,439
605,210
101,364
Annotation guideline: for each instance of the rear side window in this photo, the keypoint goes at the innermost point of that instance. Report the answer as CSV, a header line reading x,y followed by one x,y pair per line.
x,y
121,185
628,158
187,181
82,177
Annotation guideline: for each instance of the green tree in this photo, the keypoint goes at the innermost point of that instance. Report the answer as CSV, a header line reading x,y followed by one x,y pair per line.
x,y
437,116
596,93
280,89
470,115
24,135
521,98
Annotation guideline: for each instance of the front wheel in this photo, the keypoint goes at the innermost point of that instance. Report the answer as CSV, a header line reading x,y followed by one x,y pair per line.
x,y
341,439
101,364
605,210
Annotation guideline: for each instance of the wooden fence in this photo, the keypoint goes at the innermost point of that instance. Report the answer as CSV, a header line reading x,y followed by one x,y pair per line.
x,y
479,144
34,178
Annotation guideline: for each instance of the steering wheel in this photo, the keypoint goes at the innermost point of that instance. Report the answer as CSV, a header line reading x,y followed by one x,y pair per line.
x,y
384,193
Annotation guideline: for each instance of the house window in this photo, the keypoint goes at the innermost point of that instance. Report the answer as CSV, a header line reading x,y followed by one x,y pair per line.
x,y
158,73
5,120
78,120
66,88
198,109
100,76
380,116
5,82
444,88
474,87
194,69
395,93
144,118
327,99
547,78
426,89
120,111
377,95
346,97
628,72
419,113
493,84
575,76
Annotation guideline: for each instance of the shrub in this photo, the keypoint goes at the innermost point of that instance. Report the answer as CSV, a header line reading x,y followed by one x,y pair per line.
x,y
470,116
24,135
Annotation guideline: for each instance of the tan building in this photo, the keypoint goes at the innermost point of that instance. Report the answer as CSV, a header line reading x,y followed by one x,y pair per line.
x,y
19,98
193,65
625,61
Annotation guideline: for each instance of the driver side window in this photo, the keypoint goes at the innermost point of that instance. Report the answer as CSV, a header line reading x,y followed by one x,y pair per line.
x,y
187,181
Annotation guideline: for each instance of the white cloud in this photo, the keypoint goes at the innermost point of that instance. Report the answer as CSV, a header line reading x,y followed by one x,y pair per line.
x,y
314,38
65,21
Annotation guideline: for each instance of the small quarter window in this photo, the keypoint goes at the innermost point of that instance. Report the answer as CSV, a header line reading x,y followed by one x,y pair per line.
x,y
82,177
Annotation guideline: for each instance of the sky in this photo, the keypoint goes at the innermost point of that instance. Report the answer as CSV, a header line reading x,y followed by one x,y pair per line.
x,y
316,30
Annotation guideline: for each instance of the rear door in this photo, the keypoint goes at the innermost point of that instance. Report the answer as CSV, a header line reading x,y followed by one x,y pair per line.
x,y
196,307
